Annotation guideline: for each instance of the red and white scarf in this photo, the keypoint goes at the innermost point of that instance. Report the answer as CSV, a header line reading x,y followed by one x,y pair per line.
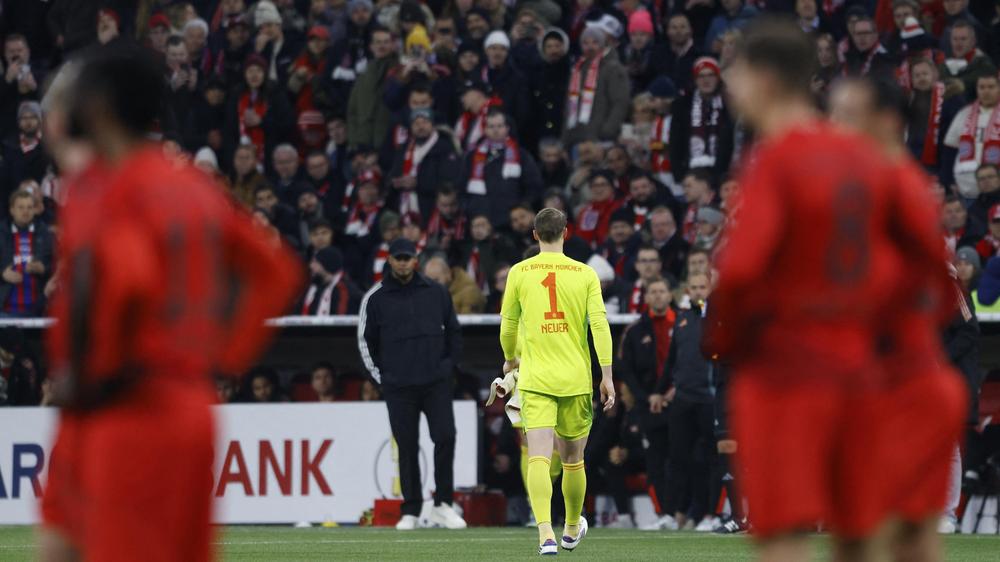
x,y
381,256
439,226
473,125
29,143
704,129
929,156
361,221
866,67
475,271
658,143
414,155
640,214
326,298
581,102
635,302
252,135
345,203
511,164
967,142
688,228
400,135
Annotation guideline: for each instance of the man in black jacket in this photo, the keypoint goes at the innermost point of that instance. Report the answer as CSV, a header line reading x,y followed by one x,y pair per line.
x,y
641,359
686,385
409,340
25,258
421,165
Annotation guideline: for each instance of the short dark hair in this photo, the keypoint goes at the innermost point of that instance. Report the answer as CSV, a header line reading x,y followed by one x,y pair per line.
x,y
706,175
422,87
20,194
447,190
640,175
952,198
993,77
654,281
982,167
647,248
264,187
122,82
780,46
963,23
495,112
550,224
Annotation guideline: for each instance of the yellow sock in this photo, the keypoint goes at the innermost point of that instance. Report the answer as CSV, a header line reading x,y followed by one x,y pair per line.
x,y
555,469
574,488
540,494
524,464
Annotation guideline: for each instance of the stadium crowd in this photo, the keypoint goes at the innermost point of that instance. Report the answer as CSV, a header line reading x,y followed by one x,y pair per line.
x,y
344,125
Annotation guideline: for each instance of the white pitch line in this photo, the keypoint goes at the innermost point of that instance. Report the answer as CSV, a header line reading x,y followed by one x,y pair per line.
x,y
404,541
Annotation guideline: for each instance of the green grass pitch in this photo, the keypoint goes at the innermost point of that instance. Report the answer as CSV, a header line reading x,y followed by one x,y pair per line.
x,y
479,544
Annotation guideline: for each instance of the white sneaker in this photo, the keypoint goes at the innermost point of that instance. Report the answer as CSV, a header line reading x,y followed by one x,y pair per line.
x,y
708,524
407,523
444,515
947,525
548,548
688,525
665,523
568,542
621,522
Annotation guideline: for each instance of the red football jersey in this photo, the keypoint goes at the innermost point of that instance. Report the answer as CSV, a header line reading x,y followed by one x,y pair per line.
x,y
810,257
163,275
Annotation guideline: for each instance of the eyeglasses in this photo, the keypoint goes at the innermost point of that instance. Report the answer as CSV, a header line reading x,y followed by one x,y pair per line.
x,y
989,177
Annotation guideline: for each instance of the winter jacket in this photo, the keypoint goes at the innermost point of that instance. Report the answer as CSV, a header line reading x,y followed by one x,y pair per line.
x,y
980,66
408,334
42,248
367,117
501,193
440,166
636,365
465,295
687,369
961,341
611,102
680,138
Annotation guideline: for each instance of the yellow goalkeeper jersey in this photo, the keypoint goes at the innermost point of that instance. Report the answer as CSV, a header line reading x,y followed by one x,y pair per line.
x,y
553,298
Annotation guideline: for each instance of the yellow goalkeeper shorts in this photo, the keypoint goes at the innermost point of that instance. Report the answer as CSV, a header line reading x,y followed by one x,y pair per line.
x,y
570,416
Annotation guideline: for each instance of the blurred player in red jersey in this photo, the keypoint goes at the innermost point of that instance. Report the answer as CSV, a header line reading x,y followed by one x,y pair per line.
x,y
923,402
164,283
816,219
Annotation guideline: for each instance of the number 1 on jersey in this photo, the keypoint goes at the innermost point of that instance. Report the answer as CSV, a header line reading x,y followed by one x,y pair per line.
x,y
554,313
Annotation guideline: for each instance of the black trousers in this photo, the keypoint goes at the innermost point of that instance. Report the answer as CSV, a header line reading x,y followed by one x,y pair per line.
x,y
723,476
692,452
656,463
405,405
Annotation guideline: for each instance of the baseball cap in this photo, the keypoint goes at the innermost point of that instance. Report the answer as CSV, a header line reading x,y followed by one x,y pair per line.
x,y
969,254
710,215
402,247
159,20
474,84
319,32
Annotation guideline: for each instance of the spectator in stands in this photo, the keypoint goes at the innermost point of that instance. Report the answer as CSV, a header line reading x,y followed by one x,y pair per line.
x,y
668,241
622,242
662,91
195,35
597,103
287,177
620,163
499,173
229,61
685,386
482,253
389,229
989,246
701,132
647,268
465,295
866,56
246,178
205,123
931,110
698,193
262,386
419,97
331,292
423,164
639,54
554,164
505,80
26,257
447,226
362,218
367,116
21,79
304,75
413,230
320,236
476,104
735,14
958,11
419,67
829,67
323,382
22,156
158,32
328,186
225,389
271,43
645,194
969,267
548,82
279,214
415,367
958,231
709,226
593,219
967,62
310,210
108,26
258,112
975,133
988,182
642,359
698,263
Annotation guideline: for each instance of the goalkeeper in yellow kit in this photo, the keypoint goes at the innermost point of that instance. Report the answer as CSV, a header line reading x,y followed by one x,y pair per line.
x,y
555,297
